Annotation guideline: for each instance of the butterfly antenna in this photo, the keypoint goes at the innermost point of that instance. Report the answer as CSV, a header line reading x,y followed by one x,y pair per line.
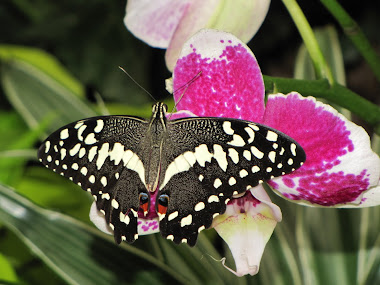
x,y
142,88
185,86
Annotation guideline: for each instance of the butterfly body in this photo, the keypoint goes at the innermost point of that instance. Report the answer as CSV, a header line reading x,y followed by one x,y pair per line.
x,y
196,164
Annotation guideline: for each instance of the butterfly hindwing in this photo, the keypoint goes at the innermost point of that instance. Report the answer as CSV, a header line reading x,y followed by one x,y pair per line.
x,y
99,154
218,159
197,165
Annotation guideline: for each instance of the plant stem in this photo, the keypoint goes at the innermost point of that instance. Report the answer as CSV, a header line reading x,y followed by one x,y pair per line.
x,y
321,68
335,93
355,34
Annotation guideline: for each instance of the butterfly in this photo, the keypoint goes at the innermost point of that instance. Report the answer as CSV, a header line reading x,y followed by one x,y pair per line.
x,y
196,164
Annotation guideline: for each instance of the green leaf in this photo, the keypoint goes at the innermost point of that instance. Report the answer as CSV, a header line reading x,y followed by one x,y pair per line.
x,y
328,41
7,273
43,62
76,252
38,95
17,149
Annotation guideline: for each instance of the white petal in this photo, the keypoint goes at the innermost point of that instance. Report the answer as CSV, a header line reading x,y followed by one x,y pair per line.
x,y
154,22
247,233
99,220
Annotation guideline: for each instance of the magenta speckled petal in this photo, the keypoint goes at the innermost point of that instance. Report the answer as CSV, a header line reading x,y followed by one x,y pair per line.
x,y
340,164
154,22
230,83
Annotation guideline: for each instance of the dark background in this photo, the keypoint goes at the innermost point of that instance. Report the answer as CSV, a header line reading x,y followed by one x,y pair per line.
x,y
90,39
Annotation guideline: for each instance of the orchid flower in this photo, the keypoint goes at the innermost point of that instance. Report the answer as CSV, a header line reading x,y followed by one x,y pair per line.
x,y
168,24
341,170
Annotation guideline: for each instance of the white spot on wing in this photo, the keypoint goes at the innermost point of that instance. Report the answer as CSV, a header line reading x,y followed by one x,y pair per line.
x,y
202,155
99,126
232,181
217,183
127,156
250,133
172,216
91,154
227,128
236,141
117,153
255,169
47,146
63,153
91,179
75,149
106,196
234,155
136,164
200,206
102,155
82,152
220,156
103,180
186,220
80,132
272,156
257,152
243,173
213,198
181,163
293,149
64,134
247,154
84,170
272,136
90,139
190,157
115,204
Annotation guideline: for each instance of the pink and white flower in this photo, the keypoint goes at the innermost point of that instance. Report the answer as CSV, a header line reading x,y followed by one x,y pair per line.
x,y
168,24
341,170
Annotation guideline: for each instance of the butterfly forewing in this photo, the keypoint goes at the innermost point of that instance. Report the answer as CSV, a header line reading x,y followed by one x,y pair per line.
x,y
99,154
217,159
196,164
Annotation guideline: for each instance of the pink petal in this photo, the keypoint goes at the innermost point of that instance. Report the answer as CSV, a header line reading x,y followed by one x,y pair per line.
x,y
371,198
246,227
230,83
154,22
340,164
240,17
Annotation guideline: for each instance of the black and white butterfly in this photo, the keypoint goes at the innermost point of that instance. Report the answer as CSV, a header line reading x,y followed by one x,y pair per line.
x,y
196,164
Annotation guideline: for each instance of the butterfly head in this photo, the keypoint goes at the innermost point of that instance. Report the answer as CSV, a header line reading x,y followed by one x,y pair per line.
x,y
159,110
